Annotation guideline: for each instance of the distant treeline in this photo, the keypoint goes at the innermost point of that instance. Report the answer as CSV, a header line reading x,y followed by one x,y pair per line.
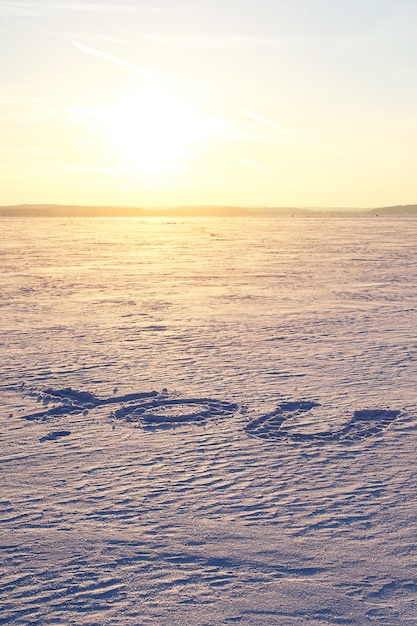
x,y
61,210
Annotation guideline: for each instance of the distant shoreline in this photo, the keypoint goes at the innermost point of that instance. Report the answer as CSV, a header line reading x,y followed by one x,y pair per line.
x,y
60,210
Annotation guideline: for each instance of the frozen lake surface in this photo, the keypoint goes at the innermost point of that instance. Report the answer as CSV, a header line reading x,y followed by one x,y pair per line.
x,y
208,421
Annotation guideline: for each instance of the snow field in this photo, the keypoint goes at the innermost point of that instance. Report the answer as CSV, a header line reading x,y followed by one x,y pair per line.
x,y
208,430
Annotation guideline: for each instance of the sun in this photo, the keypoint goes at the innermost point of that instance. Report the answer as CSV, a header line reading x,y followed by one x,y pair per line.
x,y
154,132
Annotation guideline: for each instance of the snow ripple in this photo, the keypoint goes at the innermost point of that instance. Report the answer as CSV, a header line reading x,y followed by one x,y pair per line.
x,y
54,435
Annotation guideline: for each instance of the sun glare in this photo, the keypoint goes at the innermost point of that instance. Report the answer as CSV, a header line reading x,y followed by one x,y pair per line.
x,y
154,132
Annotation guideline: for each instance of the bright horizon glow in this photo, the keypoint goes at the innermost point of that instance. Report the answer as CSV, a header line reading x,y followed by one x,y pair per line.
x,y
273,104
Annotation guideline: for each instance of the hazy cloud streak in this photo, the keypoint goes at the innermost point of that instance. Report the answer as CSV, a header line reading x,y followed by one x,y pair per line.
x,y
129,66
284,129
77,6
255,165
215,41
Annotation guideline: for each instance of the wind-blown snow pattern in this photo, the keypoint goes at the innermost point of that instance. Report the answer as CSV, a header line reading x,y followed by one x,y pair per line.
x,y
208,421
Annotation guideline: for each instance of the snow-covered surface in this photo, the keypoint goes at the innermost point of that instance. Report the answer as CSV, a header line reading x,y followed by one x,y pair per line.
x,y
208,421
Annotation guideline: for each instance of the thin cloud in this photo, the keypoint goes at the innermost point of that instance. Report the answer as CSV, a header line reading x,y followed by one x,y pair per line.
x,y
216,41
257,166
283,129
30,110
108,57
76,6
30,9
96,38
35,152
24,100
85,168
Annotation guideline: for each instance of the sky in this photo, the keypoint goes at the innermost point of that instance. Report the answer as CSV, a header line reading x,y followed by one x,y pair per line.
x,y
191,102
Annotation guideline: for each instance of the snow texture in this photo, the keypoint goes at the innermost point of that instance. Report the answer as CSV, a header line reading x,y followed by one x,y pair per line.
x,y
208,421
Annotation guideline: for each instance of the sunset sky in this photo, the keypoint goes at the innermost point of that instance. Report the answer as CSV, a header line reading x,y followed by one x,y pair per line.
x,y
166,102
